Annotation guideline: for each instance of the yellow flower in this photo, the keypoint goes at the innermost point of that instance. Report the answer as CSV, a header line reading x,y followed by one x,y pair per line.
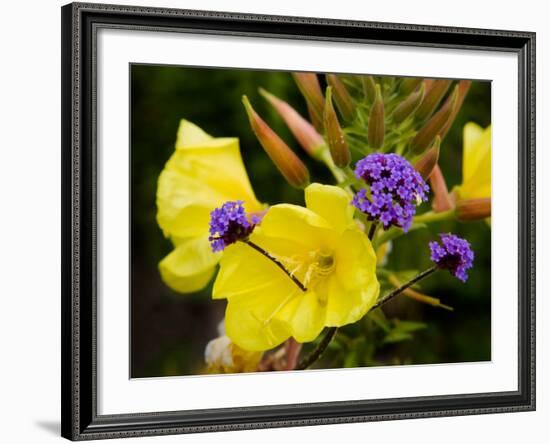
x,y
203,173
323,248
476,168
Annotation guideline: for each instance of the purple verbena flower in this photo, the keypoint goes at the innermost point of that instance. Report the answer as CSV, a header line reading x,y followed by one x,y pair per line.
x,y
395,188
228,224
453,254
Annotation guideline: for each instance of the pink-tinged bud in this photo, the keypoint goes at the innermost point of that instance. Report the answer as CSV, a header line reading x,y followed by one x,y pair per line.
x,y
376,126
442,201
309,86
290,166
337,144
314,118
343,100
435,125
369,87
306,135
409,105
473,209
463,88
429,160
432,98
409,84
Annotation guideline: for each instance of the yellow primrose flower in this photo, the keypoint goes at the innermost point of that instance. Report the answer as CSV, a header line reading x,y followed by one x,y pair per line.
x,y
476,168
203,173
323,248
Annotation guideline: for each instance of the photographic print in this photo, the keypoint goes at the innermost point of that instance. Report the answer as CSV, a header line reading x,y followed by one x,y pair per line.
x,y
255,207
292,221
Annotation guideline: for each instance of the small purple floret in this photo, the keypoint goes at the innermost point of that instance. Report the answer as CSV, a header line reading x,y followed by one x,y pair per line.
x,y
453,254
229,224
395,189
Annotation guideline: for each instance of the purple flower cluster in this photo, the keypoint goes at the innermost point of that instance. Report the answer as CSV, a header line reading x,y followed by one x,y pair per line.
x,y
228,224
395,189
453,254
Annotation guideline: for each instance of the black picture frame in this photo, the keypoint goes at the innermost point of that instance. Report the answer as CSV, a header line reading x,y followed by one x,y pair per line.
x,y
79,171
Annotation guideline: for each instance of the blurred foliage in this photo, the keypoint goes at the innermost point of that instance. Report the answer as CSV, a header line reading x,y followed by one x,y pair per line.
x,y
170,331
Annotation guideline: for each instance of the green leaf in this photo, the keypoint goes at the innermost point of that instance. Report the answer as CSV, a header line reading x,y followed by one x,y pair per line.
x,y
351,360
408,326
397,336
379,318
402,330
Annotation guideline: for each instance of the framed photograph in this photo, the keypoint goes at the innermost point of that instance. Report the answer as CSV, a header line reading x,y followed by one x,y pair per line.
x,y
279,221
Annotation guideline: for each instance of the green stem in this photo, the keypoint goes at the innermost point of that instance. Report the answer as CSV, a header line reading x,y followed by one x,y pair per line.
x,y
431,216
318,351
372,230
338,174
403,287
394,233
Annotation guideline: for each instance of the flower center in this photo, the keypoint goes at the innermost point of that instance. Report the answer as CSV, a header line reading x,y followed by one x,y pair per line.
x,y
320,265
324,263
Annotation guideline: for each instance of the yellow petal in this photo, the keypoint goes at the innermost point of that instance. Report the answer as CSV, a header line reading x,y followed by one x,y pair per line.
x,y
256,290
198,179
476,175
304,316
190,134
346,306
183,205
332,203
354,288
470,134
299,225
355,260
190,266
246,328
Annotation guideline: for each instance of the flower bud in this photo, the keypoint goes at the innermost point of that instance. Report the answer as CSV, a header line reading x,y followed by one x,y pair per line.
x,y
314,118
434,126
369,87
337,144
310,140
409,84
309,86
343,100
473,209
442,201
408,105
429,160
434,94
375,130
290,166
463,88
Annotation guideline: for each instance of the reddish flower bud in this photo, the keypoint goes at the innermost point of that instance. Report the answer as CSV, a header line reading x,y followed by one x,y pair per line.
x,y
443,201
290,166
369,87
376,127
337,144
463,88
473,209
409,105
434,93
343,100
435,125
310,140
429,160
409,84
309,86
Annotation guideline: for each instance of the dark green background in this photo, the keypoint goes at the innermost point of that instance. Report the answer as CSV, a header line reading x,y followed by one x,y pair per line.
x,y
169,331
